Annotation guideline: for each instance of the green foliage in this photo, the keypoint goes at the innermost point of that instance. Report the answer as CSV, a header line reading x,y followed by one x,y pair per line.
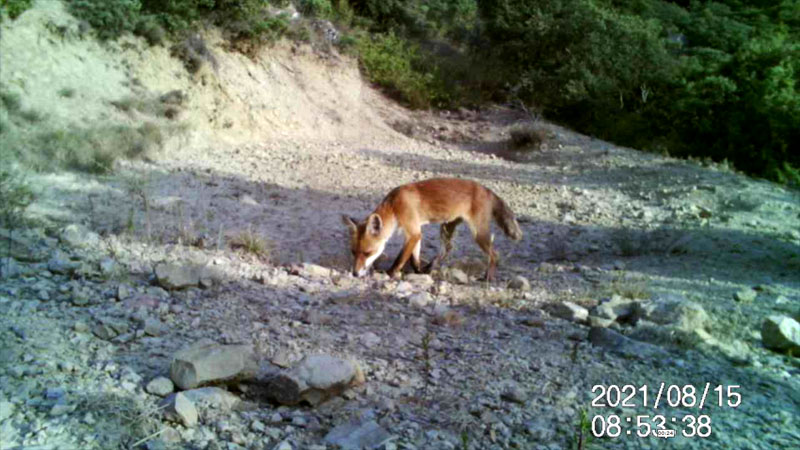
x,y
15,7
15,195
716,79
389,61
10,101
316,8
109,18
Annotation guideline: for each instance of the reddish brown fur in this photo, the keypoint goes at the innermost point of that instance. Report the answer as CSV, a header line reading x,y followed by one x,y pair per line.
x,y
440,200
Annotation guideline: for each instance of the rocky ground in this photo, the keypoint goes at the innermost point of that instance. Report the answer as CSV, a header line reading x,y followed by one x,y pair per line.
x,y
635,269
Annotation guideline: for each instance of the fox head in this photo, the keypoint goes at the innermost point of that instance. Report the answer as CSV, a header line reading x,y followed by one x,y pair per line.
x,y
367,242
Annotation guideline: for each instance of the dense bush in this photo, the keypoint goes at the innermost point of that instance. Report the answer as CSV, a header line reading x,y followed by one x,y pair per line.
x,y
15,7
388,60
715,79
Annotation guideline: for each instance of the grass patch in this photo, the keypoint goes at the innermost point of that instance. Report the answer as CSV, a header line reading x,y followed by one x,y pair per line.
x,y
91,150
15,196
252,243
66,92
627,287
10,101
526,137
31,115
194,53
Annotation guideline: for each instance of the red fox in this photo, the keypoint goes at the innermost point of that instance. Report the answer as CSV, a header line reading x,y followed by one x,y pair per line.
x,y
440,200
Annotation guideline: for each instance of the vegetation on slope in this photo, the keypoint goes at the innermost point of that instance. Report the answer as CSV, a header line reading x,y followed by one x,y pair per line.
x,y
709,79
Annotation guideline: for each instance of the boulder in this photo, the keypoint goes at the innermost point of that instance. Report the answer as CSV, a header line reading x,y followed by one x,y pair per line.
x,y
781,333
206,362
313,380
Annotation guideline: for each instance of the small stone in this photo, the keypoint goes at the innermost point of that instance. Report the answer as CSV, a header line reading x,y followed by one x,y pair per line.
x,y
358,435
615,308
457,276
404,288
104,331
600,322
78,236
178,408
107,266
154,327
419,279
160,386
80,327
514,394
746,295
123,292
316,271
170,435
369,339
6,410
520,283
283,445
62,407
570,311
214,397
616,342
420,299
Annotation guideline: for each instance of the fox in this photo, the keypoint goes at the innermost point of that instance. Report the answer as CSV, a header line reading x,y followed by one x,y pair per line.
x,y
449,201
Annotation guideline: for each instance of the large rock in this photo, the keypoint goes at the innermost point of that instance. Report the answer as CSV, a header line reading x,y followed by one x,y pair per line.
x,y
180,275
314,380
207,362
781,333
675,310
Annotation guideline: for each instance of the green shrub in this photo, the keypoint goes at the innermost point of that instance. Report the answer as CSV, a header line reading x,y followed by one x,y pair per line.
x,y
149,28
15,195
15,7
388,60
527,137
109,18
715,79
316,8
10,101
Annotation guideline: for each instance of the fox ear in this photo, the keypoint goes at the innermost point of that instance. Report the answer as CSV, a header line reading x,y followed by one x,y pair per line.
x,y
350,222
374,224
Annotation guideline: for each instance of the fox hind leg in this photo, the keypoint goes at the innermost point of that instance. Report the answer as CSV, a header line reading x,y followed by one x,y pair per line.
x,y
484,240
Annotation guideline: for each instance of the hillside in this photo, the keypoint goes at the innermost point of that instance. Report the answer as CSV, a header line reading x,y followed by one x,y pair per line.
x,y
635,269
